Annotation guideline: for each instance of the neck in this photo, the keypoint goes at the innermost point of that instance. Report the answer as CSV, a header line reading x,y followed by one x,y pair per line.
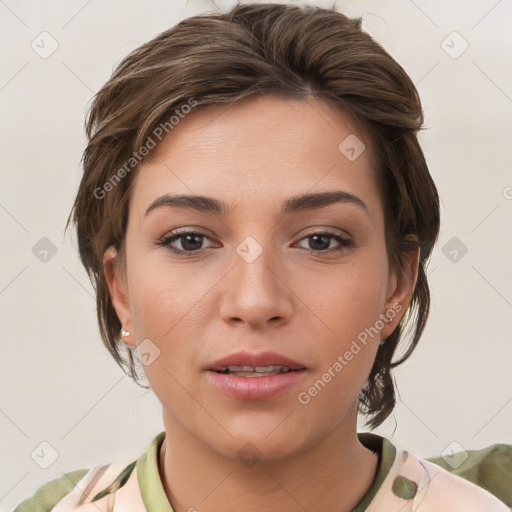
x,y
332,475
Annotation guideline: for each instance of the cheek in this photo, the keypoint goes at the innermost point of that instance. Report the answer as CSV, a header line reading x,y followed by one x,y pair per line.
x,y
347,340
171,308
164,300
348,299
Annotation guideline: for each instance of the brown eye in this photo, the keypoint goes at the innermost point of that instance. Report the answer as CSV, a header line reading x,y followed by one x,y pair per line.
x,y
321,242
190,242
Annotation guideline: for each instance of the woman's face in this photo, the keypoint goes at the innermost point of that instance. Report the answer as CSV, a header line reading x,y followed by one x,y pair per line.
x,y
306,280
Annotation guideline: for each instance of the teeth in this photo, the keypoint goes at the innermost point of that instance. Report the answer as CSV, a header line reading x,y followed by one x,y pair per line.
x,y
253,370
261,369
258,369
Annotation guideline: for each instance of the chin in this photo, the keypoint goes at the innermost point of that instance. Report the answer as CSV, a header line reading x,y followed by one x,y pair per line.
x,y
252,444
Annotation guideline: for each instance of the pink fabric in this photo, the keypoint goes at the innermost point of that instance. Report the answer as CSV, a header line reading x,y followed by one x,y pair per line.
x,y
437,491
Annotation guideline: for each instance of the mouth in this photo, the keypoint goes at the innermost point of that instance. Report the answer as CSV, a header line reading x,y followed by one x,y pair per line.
x,y
249,376
253,364
256,371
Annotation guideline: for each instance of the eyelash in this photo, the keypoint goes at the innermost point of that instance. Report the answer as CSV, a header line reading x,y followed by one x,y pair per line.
x,y
345,243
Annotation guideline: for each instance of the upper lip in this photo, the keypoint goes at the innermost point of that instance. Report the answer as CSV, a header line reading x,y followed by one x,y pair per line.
x,y
262,359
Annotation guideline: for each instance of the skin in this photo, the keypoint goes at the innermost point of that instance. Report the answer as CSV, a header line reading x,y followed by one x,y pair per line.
x,y
309,306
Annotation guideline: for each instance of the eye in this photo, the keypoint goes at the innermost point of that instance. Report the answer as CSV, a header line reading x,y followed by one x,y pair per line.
x,y
190,242
321,242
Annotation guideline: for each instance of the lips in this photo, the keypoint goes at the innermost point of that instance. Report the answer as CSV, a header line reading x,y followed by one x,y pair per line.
x,y
263,362
248,376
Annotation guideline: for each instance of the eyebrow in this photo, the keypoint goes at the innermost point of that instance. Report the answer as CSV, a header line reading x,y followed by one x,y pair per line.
x,y
312,201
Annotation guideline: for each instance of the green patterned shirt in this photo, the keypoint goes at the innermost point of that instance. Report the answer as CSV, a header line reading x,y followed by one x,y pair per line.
x,y
402,482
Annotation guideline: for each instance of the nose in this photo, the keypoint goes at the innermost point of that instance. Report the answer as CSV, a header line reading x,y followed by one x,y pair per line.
x,y
255,292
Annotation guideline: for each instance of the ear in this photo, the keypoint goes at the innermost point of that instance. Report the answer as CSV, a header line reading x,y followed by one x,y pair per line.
x,y
118,287
400,290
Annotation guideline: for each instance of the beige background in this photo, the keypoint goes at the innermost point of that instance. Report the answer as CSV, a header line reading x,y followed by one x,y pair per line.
x,y
60,385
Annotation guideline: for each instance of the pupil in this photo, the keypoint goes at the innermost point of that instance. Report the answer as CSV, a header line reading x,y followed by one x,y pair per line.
x,y
315,240
187,240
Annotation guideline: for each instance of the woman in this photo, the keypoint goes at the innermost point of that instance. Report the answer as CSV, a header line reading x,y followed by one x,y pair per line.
x,y
257,215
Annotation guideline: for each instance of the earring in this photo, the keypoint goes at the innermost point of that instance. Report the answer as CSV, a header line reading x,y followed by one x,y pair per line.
x,y
125,333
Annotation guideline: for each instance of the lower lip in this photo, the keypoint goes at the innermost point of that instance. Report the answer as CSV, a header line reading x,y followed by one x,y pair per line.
x,y
255,388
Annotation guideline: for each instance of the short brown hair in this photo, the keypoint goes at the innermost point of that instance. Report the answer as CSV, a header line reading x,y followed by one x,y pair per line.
x,y
254,49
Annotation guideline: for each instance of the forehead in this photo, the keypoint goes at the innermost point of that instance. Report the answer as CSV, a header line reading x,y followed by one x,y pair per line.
x,y
264,148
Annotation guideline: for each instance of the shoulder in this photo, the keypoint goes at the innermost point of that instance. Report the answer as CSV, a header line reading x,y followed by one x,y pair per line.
x,y
78,489
96,489
489,468
427,487
447,491
48,495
